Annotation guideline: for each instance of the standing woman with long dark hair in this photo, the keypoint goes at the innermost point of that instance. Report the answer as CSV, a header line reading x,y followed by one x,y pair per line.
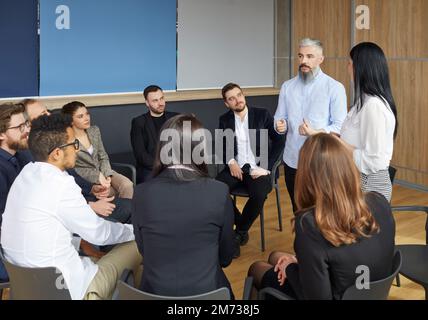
x,y
371,124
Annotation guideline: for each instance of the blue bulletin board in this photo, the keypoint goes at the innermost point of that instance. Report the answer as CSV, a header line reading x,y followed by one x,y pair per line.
x,y
19,48
89,47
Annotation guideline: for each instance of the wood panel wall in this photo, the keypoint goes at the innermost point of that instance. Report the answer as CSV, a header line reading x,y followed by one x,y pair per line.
x,y
400,27
328,21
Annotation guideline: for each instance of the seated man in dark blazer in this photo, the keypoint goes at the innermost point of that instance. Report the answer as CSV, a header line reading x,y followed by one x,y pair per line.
x,y
13,154
243,168
145,131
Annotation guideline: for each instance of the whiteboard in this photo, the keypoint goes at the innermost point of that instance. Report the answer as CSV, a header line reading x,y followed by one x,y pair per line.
x,y
225,41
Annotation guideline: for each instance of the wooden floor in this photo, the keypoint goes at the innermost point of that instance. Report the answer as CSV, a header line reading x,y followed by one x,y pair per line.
x,y
410,229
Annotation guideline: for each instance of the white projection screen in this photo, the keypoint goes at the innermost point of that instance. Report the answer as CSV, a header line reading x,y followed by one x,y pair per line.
x,y
221,41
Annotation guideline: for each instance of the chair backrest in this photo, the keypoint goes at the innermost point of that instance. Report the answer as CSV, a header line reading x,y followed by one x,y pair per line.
x,y
35,283
127,292
275,167
379,290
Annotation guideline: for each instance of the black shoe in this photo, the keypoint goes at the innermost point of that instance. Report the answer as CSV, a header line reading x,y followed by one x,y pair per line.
x,y
242,237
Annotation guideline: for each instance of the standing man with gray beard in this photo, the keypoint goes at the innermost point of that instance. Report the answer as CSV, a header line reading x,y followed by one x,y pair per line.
x,y
310,103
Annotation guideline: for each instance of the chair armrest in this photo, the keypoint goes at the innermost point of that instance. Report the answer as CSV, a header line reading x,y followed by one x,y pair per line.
x,y
127,277
132,172
248,285
275,168
410,208
273,292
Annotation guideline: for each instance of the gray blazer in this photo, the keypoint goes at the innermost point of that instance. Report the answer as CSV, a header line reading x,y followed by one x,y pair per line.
x,y
89,166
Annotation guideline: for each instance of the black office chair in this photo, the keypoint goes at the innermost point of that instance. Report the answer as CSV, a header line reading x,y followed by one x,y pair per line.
x,y
415,256
378,290
35,283
248,286
128,170
243,192
125,290
124,163
392,172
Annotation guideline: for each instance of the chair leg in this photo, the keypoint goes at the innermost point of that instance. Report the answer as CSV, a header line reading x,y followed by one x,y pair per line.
x,y
426,292
262,229
278,206
1,294
397,280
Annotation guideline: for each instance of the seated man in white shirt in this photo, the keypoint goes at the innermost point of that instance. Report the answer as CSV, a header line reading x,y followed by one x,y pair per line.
x,y
45,207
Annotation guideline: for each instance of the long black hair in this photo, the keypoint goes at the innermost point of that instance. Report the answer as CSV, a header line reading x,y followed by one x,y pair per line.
x,y
177,124
371,76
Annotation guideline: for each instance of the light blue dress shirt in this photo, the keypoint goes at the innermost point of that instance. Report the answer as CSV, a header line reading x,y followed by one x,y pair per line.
x,y
321,101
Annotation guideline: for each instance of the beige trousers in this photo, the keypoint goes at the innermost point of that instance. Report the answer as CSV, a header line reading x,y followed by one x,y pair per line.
x,y
110,267
122,186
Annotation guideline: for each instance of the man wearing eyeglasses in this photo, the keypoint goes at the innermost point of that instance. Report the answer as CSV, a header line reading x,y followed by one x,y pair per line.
x,y
37,229
96,195
118,210
14,131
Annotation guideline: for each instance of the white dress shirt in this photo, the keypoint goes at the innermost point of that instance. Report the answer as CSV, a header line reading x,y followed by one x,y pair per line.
x,y
321,102
242,133
44,208
371,132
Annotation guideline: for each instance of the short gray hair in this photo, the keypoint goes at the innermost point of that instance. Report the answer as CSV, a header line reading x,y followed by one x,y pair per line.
x,y
308,42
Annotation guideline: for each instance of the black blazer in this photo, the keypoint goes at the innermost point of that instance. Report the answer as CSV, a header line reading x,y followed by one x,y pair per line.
x,y
184,231
324,271
144,139
8,173
257,119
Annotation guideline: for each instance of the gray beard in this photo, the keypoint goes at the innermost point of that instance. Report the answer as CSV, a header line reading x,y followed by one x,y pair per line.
x,y
309,76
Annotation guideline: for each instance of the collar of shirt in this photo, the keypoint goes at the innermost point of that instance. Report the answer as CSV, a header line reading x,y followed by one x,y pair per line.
x,y
12,159
181,167
5,155
238,118
52,168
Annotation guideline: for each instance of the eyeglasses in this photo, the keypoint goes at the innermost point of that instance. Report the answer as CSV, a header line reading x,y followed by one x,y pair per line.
x,y
22,126
75,143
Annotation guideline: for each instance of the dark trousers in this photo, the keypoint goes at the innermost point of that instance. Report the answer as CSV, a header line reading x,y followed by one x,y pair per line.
x,y
290,177
258,189
122,212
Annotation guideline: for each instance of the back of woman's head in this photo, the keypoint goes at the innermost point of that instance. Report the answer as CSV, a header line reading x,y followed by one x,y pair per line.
x,y
328,180
371,75
182,143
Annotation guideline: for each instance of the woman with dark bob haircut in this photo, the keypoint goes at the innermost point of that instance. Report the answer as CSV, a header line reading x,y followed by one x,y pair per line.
x,y
337,228
183,220
371,125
